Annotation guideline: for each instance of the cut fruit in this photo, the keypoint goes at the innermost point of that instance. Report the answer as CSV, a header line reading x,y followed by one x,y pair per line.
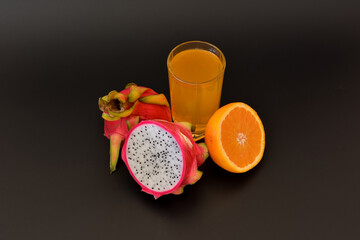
x,y
235,137
162,157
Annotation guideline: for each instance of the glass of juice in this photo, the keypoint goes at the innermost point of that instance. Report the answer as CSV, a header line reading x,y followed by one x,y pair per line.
x,y
196,71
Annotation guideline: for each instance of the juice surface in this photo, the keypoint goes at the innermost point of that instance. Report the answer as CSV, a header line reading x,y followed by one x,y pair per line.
x,y
196,96
196,66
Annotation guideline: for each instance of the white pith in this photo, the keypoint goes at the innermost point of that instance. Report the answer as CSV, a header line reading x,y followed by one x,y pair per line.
x,y
241,138
157,163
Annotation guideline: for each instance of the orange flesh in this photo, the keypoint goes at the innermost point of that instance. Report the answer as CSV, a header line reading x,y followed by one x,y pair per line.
x,y
238,123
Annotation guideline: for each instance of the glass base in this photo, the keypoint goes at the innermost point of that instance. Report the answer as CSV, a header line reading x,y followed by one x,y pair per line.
x,y
198,136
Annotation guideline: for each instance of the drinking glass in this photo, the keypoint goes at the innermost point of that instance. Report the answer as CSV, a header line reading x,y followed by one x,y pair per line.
x,y
196,71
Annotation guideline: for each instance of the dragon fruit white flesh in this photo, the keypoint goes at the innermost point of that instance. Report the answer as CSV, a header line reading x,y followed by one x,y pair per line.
x,y
162,157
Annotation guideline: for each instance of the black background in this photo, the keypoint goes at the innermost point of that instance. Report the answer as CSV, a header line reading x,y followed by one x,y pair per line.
x,y
296,62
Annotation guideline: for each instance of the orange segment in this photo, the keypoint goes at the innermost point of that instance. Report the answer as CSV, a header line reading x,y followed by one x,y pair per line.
x,y
235,137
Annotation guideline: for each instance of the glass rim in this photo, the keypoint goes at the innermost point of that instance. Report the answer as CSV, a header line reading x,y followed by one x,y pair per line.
x,y
197,41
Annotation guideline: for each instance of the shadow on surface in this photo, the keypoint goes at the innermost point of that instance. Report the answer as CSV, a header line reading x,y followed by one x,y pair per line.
x,y
200,196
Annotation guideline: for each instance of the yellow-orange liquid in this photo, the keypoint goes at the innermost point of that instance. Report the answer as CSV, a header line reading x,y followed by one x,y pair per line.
x,y
195,78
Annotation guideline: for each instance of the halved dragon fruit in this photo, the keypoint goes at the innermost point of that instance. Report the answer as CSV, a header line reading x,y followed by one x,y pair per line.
x,y
123,110
162,157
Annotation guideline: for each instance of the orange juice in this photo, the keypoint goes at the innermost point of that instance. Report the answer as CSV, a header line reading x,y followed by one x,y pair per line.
x,y
195,77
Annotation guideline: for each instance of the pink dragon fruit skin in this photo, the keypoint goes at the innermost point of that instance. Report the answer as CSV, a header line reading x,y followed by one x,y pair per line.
x,y
123,110
192,156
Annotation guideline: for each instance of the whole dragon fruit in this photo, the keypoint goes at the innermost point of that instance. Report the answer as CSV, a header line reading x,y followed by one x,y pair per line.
x,y
123,110
162,157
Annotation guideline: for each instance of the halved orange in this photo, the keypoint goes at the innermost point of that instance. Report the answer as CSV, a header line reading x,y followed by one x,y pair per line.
x,y
235,137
